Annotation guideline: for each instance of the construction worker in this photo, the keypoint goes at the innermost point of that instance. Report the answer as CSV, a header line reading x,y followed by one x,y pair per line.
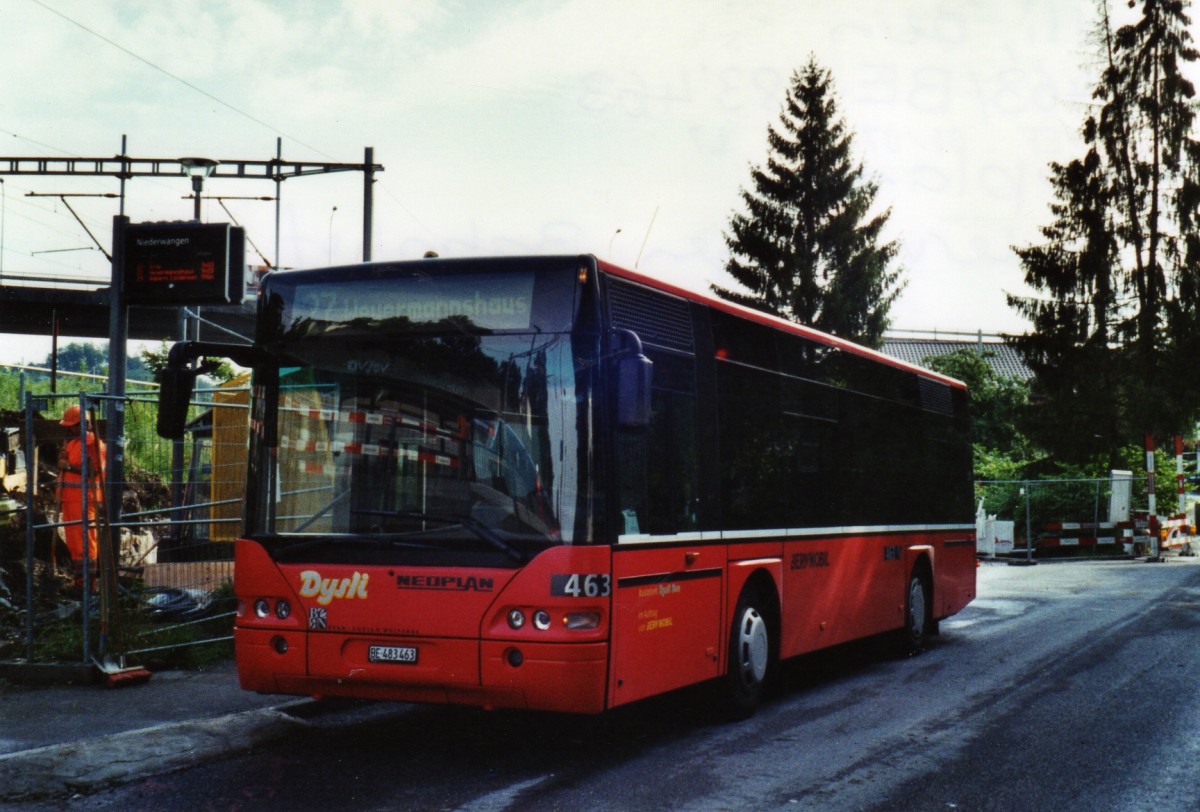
x,y
70,483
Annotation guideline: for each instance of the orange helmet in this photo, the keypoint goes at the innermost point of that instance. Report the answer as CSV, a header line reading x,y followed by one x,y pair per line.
x,y
70,416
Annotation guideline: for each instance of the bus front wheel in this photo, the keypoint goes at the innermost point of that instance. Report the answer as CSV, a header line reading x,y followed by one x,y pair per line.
x,y
750,656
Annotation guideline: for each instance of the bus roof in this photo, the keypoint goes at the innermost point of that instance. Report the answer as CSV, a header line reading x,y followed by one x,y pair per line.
x,y
684,293
774,321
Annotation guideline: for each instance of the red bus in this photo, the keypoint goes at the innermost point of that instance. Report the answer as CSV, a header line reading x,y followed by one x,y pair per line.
x,y
553,483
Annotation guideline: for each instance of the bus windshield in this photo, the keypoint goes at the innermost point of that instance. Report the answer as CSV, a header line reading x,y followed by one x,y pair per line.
x,y
429,444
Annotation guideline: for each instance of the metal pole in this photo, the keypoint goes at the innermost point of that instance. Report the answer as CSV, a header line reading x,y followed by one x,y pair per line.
x,y
118,349
169,552
3,208
1028,523
368,200
1027,561
278,194
54,351
1151,496
1181,502
84,475
30,487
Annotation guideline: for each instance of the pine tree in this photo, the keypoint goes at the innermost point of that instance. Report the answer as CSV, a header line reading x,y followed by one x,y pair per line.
x,y
1116,322
1068,350
807,247
1146,124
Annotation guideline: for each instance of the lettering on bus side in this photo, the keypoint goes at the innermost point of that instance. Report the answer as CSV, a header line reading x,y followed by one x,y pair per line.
x,y
803,561
445,583
312,585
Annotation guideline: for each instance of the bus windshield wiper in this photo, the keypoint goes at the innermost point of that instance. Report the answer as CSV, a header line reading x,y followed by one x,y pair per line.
x,y
476,527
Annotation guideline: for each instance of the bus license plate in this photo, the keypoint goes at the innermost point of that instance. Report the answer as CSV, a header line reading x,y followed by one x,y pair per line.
x,y
405,655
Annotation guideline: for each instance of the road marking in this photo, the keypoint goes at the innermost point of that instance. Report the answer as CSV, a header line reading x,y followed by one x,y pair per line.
x,y
502,799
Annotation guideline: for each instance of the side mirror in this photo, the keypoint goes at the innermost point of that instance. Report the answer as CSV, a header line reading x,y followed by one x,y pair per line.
x,y
178,379
634,375
174,395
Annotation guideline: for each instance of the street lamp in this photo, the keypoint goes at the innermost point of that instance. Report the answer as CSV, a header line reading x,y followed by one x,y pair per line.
x,y
198,169
330,260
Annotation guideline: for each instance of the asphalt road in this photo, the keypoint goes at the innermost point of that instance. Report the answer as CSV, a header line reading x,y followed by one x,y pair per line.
x,y
1063,687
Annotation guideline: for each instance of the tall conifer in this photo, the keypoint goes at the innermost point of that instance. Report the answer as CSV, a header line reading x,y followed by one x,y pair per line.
x,y
1116,319
807,247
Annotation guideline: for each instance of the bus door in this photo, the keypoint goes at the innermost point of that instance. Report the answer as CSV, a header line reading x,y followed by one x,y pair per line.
x,y
666,617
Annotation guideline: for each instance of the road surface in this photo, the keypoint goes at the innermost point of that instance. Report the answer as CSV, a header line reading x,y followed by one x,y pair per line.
x,y
1064,686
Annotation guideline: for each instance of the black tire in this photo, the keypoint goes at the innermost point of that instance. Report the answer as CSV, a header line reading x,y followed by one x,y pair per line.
x,y
751,654
918,614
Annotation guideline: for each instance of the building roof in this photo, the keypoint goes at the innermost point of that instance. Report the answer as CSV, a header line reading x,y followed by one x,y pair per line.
x,y
1006,361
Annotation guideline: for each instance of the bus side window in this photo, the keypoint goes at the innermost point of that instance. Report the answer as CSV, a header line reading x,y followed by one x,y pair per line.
x,y
658,467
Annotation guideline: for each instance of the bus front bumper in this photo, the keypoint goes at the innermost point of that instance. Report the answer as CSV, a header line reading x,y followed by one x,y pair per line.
x,y
568,677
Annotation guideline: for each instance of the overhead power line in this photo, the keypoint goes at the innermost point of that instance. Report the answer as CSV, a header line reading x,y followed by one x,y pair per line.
x,y
179,79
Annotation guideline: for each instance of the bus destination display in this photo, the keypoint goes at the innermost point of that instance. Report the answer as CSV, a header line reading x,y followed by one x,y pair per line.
x,y
491,302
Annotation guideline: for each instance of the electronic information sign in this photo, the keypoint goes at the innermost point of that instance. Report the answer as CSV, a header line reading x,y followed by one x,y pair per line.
x,y
184,263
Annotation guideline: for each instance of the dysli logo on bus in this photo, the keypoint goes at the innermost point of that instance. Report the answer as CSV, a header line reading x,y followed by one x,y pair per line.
x,y
312,585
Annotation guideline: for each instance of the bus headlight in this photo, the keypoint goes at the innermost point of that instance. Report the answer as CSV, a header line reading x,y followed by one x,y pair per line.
x,y
541,620
516,619
262,608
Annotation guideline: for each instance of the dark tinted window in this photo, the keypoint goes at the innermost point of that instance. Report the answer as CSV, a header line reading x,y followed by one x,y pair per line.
x,y
657,468
745,342
833,438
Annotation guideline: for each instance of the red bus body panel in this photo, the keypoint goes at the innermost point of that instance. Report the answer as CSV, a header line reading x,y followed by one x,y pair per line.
x,y
455,618
664,625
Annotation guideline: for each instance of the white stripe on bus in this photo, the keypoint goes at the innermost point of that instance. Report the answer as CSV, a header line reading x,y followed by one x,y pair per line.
x,y
792,533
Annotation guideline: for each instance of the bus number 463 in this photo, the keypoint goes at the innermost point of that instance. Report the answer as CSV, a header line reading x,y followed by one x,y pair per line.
x,y
581,586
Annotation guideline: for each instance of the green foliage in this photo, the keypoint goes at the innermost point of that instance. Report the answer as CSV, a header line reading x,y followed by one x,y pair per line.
x,y
807,247
997,402
10,389
80,357
155,360
1000,448
991,464
76,357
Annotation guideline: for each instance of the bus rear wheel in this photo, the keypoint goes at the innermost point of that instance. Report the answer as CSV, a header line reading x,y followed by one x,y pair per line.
x,y
750,655
918,614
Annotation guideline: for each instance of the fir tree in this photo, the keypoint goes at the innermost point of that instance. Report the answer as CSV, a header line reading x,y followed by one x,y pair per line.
x,y
807,247
1116,319
1068,350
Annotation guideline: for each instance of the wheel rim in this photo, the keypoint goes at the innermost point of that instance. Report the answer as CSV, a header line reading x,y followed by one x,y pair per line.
x,y
753,647
916,608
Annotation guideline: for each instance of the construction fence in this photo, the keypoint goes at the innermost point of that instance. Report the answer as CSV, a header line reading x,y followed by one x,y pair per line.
x,y
157,580
1062,517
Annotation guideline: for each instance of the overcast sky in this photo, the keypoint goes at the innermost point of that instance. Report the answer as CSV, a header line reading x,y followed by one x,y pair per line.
x,y
544,127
